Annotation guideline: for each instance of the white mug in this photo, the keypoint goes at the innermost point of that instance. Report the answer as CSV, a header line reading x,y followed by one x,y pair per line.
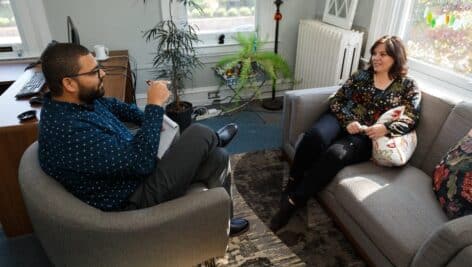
x,y
101,52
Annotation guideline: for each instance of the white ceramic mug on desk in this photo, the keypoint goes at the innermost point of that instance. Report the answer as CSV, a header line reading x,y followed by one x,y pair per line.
x,y
101,52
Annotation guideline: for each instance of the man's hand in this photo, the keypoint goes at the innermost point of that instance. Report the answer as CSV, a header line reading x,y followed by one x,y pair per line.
x,y
375,131
157,92
354,128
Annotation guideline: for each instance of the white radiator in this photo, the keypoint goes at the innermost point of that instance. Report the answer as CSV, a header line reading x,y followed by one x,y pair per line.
x,y
326,55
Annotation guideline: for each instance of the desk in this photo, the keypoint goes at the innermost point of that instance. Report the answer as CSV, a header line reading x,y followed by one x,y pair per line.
x,y
9,72
15,137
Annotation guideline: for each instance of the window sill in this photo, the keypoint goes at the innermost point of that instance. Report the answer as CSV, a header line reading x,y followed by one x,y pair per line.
x,y
441,88
212,53
13,58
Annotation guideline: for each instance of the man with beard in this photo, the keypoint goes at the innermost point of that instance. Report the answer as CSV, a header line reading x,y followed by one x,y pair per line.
x,y
85,146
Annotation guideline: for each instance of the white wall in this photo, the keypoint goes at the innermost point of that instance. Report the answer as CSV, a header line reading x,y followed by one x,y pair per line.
x,y
119,24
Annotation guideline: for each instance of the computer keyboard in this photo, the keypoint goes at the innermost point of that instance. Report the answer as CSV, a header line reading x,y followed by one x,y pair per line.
x,y
33,86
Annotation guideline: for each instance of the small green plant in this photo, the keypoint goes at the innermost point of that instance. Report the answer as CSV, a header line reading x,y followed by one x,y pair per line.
x,y
220,12
250,60
232,12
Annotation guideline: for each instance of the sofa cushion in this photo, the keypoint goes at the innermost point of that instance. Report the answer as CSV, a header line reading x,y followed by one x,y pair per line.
x,y
453,179
395,207
434,112
454,128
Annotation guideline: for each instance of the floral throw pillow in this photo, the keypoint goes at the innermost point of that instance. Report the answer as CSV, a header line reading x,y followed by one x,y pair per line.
x,y
452,182
397,150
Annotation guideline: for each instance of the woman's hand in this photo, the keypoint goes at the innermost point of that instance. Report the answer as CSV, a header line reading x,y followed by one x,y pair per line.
x,y
354,128
375,131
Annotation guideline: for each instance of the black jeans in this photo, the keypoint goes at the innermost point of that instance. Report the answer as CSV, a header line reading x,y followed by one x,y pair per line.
x,y
325,149
195,157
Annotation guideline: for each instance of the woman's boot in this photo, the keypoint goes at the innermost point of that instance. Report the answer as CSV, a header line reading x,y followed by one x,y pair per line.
x,y
281,218
290,186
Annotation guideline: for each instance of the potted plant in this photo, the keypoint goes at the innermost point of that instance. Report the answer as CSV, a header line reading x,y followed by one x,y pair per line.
x,y
175,59
250,61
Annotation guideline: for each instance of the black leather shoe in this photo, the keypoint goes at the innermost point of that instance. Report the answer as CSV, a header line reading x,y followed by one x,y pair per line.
x,y
226,134
238,226
282,217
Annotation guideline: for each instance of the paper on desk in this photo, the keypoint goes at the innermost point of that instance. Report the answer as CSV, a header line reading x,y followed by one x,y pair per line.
x,y
169,133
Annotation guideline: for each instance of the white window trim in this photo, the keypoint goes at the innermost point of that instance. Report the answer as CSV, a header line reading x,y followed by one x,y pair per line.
x,y
383,23
33,28
209,46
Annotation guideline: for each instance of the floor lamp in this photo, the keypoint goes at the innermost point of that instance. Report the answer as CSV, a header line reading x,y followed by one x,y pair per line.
x,y
273,103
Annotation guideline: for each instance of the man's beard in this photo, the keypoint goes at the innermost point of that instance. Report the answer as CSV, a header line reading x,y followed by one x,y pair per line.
x,y
88,95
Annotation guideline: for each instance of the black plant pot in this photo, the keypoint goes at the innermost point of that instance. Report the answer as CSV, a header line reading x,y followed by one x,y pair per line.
x,y
182,117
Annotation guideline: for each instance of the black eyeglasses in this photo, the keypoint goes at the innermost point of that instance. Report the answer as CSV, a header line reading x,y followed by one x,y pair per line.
x,y
94,71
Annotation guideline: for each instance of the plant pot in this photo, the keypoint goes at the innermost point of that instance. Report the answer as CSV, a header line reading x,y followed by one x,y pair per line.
x,y
182,116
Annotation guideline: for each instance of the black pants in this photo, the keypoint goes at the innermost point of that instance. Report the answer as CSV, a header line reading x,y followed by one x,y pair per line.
x,y
195,157
325,149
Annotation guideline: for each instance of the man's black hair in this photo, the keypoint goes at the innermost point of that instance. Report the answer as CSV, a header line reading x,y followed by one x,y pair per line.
x,y
58,61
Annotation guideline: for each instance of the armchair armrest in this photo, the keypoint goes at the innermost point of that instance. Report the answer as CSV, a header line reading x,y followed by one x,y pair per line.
x,y
451,243
181,232
301,108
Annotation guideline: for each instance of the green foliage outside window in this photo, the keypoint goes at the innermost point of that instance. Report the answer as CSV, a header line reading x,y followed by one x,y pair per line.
x,y
6,15
440,33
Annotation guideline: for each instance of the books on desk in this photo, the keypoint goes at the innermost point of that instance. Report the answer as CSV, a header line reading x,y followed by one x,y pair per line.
x,y
169,134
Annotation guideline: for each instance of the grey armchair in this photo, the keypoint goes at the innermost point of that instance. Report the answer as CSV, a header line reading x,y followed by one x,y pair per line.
x,y
182,232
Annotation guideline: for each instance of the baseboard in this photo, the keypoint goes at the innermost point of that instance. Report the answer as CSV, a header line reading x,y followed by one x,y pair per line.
x,y
201,96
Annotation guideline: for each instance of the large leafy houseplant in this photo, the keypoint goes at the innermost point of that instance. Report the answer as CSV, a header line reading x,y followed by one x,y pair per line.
x,y
249,61
175,57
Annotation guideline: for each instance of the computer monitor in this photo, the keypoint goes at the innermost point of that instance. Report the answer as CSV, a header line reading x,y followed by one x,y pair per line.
x,y
72,33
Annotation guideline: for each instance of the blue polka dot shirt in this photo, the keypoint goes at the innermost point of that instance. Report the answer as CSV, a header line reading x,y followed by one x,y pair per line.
x,y
89,150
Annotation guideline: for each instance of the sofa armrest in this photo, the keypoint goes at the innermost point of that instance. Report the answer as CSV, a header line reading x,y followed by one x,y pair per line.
x,y
301,108
463,258
451,240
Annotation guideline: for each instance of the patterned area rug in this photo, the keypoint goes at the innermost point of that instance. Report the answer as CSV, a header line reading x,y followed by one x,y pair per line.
x,y
258,247
312,236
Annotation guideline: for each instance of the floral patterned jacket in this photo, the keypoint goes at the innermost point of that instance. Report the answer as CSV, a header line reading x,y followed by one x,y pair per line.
x,y
358,100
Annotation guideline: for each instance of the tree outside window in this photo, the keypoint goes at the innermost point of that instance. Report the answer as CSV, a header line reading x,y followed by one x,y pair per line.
x,y
440,33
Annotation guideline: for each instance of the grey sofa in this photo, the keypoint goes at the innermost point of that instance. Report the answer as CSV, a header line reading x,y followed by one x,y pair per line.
x,y
182,232
392,214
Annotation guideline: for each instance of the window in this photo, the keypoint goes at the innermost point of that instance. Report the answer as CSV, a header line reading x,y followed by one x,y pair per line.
x,y
440,33
438,36
222,16
23,27
9,35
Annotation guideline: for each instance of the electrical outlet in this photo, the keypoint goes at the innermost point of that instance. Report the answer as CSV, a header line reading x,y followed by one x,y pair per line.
x,y
212,112
213,95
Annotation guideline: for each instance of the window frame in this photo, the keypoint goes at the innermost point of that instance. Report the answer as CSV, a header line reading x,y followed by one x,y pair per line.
x,y
209,45
395,23
33,28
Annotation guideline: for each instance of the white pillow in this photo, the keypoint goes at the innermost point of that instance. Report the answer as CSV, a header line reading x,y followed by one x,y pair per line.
x,y
393,151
